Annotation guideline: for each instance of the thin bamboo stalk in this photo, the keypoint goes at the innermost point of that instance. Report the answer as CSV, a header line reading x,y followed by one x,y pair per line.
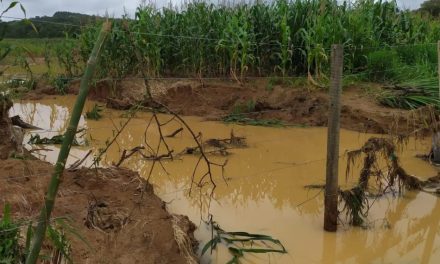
x,y
55,181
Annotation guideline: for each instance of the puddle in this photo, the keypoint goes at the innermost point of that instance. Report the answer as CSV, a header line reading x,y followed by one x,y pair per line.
x,y
265,191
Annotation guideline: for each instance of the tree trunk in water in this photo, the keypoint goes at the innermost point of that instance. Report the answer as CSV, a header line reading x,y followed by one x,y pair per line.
x,y
49,200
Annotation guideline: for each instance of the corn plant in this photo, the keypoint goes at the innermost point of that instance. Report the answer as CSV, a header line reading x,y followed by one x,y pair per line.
x,y
276,38
48,57
67,56
240,243
285,46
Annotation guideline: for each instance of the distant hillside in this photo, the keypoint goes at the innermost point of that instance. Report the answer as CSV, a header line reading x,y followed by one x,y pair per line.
x,y
47,26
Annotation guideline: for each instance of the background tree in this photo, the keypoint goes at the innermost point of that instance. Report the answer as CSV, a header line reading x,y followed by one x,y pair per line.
x,y
432,7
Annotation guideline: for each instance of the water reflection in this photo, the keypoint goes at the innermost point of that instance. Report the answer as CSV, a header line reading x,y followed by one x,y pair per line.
x,y
266,186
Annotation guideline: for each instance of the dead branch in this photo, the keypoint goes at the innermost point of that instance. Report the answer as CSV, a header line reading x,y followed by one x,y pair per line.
x,y
78,163
39,149
157,106
175,133
17,121
97,159
130,153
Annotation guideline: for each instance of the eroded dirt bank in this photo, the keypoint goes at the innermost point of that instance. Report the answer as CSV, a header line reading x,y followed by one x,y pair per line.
x,y
116,213
114,210
215,100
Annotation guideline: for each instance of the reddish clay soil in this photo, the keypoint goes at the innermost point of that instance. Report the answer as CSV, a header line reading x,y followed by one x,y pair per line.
x,y
214,100
113,209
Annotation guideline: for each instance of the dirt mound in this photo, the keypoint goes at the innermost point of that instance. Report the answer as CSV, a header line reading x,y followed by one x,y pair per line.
x,y
216,99
113,209
293,106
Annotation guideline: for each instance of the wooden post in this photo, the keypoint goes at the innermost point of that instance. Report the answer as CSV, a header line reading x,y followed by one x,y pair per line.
x,y
331,186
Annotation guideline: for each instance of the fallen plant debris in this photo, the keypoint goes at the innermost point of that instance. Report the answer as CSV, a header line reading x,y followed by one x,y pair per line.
x,y
240,242
243,120
217,146
394,178
36,139
412,95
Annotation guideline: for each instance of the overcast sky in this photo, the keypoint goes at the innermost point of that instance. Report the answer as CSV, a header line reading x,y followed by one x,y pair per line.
x,y
113,7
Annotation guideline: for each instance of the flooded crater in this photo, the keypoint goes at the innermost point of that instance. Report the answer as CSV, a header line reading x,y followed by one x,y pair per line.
x,y
264,192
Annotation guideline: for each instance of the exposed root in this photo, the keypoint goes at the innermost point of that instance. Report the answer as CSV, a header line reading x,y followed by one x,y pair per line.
x,y
184,242
101,216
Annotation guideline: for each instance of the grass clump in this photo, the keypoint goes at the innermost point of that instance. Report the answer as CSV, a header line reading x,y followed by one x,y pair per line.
x,y
95,113
61,84
10,250
382,64
14,246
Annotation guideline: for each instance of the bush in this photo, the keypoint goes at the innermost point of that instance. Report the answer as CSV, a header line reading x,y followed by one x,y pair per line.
x,y
383,64
414,54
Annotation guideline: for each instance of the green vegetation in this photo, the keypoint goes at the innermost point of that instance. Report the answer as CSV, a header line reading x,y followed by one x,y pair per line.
x,y
55,26
279,40
413,94
432,7
55,140
240,243
95,113
14,247
10,251
286,38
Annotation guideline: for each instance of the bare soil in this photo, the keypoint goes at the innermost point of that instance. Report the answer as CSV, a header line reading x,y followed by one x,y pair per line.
x,y
214,99
115,211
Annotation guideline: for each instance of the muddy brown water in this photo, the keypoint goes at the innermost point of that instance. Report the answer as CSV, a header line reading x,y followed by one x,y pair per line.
x,y
265,192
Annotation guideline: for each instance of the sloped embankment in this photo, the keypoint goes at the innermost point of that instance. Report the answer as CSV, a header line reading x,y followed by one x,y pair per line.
x,y
113,209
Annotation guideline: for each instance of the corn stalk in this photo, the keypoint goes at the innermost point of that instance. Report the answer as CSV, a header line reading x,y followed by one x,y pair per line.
x,y
55,181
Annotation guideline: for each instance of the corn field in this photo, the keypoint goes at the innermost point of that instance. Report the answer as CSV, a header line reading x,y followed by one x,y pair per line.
x,y
282,38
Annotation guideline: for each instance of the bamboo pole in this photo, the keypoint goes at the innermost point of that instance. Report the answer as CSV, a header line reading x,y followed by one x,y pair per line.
x,y
438,65
331,187
436,134
49,200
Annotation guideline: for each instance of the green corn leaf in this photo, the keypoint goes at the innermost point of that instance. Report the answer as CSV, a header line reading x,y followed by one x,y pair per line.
x,y
11,5
211,244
